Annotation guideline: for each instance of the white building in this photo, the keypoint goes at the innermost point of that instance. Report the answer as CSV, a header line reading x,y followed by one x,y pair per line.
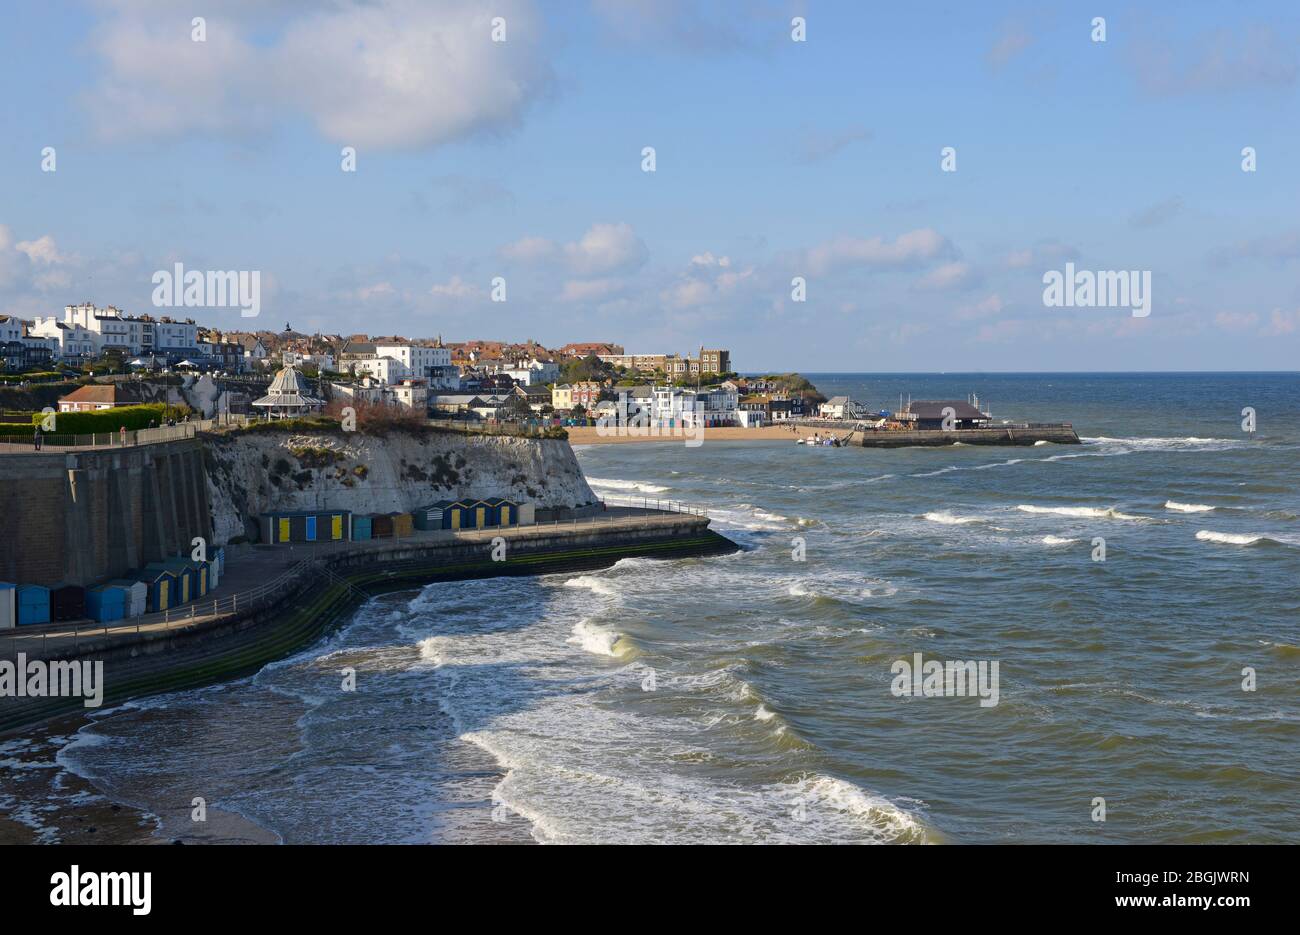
x,y
11,328
71,342
114,330
175,337
417,358
840,407
386,370
411,394
133,334
533,371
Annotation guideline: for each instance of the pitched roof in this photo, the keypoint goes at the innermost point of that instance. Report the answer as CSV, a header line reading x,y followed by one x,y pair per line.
x,y
933,409
111,394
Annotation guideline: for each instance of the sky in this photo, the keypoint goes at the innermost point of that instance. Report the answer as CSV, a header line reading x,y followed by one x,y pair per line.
x,y
775,160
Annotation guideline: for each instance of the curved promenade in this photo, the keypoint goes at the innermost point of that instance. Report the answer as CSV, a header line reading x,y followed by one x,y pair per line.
x,y
306,591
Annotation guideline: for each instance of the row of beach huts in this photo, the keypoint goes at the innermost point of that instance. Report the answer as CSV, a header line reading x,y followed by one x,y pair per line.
x,y
290,526
168,584
156,587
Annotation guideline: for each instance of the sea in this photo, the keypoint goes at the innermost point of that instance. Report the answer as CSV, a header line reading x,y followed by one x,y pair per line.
x,y
1139,594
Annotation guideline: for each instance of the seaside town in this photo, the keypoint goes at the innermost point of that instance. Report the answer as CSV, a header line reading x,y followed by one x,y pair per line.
x,y
484,380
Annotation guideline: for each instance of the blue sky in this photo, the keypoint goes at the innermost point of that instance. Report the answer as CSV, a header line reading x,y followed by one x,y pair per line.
x,y
775,159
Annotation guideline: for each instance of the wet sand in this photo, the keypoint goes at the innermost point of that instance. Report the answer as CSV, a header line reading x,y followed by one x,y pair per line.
x,y
43,803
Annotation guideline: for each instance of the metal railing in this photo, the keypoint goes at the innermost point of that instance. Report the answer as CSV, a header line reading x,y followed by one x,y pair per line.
x,y
21,638
119,439
24,638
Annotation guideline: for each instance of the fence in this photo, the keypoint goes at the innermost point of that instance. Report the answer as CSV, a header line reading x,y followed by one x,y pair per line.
x,y
120,439
23,638
174,618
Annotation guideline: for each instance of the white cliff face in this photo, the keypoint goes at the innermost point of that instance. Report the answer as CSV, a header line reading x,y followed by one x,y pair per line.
x,y
252,472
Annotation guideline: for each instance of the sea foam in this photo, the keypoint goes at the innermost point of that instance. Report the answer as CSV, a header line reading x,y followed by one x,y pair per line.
x,y
948,519
1083,512
598,640
1227,538
1187,507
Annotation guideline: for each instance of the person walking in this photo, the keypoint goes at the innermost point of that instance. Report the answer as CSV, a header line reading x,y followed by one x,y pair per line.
x,y
36,438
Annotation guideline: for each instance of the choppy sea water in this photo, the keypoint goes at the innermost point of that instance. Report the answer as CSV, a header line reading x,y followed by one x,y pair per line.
x,y
747,698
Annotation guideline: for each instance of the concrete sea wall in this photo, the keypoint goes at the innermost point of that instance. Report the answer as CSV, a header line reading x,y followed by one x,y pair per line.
x,y
82,517
239,644
1060,435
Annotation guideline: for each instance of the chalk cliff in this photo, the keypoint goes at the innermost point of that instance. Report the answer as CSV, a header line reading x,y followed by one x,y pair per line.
x,y
251,472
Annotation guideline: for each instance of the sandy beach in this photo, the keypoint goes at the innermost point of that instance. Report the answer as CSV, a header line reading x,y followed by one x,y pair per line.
x,y
589,435
44,803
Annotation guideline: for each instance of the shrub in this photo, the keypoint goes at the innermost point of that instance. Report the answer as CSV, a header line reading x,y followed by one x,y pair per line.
x,y
110,420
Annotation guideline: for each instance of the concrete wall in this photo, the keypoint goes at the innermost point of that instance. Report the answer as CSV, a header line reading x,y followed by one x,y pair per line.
x,y
79,518
999,436
239,644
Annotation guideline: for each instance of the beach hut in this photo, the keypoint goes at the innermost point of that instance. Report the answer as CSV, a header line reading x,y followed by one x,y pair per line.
x,y
8,605
191,579
526,514
220,554
402,525
214,573
502,512
305,526
33,604
106,602
68,603
449,514
180,583
428,517
161,590
381,526
360,528
135,594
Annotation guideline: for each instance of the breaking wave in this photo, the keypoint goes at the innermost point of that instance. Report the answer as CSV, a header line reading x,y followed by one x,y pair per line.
x,y
615,484
598,640
1187,507
1228,538
1081,512
948,519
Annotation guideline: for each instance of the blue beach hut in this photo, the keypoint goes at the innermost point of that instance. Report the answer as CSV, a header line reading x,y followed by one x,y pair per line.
x,y
106,602
33,604
361,528
161,588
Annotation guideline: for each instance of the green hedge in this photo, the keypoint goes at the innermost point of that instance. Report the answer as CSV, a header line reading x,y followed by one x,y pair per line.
x,y
99,420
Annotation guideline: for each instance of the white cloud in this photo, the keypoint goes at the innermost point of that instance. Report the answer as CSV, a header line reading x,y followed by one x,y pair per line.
x,y
708,278
984,308
1043,253
603,249
380,74
908,250
950,277
589,290
42,250
456,288
32,264
380,290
